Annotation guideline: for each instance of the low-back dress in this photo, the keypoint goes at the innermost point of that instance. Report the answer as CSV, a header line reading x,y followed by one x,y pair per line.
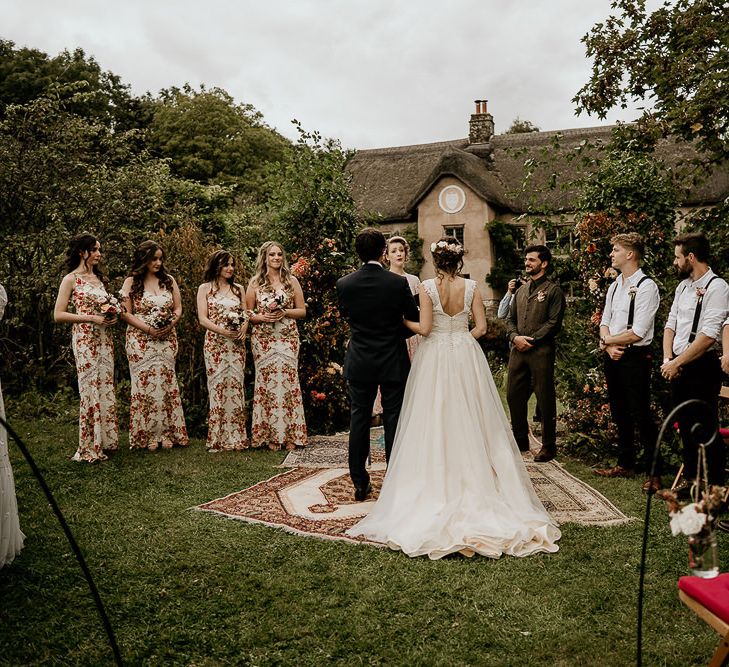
x,y
456,481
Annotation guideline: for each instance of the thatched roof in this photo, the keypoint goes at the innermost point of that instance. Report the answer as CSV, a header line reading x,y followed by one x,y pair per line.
x,y
392,181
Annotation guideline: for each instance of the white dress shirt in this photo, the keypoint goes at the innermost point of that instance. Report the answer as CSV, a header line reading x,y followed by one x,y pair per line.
x,y
617,306
714,309
503,312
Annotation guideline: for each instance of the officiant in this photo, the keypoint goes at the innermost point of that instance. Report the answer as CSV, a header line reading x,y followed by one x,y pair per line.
x,y
534,320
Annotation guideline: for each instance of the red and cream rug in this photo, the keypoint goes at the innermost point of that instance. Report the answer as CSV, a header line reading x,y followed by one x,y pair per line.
x,y
315,495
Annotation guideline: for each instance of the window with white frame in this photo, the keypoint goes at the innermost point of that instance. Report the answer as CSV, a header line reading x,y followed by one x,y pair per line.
x,y
456,231
560,239
520,237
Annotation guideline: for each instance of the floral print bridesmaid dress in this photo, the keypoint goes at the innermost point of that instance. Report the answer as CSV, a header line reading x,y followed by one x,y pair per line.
x,y
93,349
278,409
225,362
155,410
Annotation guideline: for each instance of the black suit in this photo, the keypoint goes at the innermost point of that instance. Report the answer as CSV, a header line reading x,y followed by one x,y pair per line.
x,y
374,302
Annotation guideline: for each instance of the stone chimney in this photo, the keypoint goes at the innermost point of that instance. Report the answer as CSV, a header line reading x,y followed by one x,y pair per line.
x,y
481,129
481,125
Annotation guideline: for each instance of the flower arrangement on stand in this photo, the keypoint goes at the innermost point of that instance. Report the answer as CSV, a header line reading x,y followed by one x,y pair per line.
x,y
696,518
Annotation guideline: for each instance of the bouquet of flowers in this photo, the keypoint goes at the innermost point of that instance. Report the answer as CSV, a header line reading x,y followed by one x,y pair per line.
x,y
233,319
110,307
160,317
696,520
690,518
273,301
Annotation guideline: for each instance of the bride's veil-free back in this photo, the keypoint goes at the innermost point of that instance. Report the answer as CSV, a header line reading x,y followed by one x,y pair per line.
x,y
456,480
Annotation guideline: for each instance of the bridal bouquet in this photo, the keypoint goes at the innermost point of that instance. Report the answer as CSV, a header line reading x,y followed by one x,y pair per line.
x,y
110,307
233,319
160,316
273,301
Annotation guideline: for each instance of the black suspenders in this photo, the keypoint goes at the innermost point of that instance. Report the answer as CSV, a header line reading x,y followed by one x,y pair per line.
x,y
697,312
631,309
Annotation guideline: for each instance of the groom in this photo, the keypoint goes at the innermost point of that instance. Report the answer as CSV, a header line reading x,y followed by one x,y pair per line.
x,y
374,301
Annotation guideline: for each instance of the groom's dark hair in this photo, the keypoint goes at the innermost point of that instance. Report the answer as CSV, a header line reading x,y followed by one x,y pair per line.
x,y
370,244
544,253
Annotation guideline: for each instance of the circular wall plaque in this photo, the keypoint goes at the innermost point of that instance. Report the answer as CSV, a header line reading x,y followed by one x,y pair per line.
x,y
452,199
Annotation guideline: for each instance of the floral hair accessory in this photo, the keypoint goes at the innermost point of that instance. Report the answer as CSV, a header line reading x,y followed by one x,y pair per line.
x,y
445,245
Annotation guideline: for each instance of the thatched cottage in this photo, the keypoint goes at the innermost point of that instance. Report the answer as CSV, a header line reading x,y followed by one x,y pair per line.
x,y
458,187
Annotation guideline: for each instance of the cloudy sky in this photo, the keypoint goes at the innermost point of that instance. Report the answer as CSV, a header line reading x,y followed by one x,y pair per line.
x,y
369,72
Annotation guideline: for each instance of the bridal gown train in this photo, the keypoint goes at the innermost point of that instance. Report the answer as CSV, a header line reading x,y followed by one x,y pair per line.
x,y
456,481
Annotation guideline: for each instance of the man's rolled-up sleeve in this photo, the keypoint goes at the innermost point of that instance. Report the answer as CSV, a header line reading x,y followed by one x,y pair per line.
x,y
714,312
647,301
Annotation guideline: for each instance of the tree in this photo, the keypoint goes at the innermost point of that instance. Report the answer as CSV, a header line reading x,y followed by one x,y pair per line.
x,y
627,192
519,126
312,213
675,59
27,74
508,262
210,138
61,174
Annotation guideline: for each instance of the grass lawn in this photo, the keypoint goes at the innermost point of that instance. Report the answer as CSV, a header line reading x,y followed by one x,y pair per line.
x,y
190,588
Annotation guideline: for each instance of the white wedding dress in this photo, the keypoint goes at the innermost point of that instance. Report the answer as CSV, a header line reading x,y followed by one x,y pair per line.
x,y
456,481
11,538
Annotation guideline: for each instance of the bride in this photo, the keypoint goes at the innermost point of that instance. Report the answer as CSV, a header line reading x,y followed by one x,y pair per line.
x,y
456,481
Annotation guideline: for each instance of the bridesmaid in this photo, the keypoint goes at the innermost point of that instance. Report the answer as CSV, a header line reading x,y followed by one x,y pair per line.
x,y
398,253
275,297
221,310
153,307
95,312
11,537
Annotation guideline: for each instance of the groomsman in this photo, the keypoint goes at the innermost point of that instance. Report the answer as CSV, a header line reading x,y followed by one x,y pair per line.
x,y
699,309
534,321
626,334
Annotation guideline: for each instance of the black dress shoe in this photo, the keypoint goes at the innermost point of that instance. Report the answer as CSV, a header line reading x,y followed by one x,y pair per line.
x,y
545,454
723,526
361,494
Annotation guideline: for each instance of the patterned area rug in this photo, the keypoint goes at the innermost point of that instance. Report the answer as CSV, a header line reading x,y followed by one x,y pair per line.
x,y
330,451
315,496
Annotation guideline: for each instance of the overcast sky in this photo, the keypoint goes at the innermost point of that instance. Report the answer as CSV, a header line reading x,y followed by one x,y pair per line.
x,y
371,73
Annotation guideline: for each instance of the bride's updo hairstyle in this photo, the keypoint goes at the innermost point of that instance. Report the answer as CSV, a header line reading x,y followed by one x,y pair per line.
x,y
447,255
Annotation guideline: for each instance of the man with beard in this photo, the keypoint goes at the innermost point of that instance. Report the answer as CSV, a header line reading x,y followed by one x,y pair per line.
x,y
690,363
535,319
